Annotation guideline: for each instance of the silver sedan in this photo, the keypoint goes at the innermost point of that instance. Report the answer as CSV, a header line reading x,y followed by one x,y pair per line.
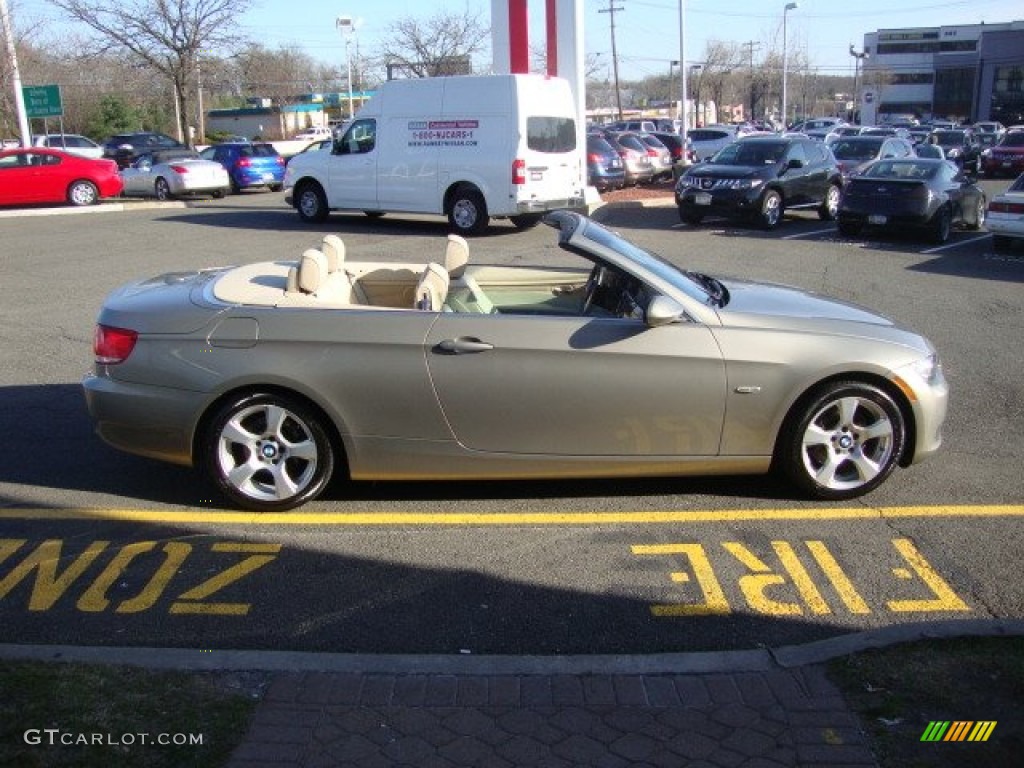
x,y
274,376
173,173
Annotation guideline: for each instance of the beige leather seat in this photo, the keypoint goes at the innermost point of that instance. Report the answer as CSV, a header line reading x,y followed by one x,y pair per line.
x,y
432,289
334,249
309,275
464,293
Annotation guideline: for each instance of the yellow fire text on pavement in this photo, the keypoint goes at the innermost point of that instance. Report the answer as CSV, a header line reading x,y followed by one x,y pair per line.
x,y
792,580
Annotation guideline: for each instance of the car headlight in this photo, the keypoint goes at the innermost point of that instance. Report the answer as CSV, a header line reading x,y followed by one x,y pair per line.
x,y
953,152
927,369
686,182
986,153
746,183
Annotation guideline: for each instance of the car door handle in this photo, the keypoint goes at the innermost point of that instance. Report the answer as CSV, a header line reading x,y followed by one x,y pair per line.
x,y
463,345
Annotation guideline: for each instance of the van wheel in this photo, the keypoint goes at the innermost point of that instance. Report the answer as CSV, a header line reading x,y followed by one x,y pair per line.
x,y
311,203
467,212
526,221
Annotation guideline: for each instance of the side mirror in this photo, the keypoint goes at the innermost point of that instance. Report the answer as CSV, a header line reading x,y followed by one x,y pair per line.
x,y
795,162
663,311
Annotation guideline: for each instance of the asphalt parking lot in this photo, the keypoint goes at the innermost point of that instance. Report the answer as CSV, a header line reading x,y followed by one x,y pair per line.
x,y
148,556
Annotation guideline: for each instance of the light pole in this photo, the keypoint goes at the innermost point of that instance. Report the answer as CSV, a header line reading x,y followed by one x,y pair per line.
x,y
683,112
785,62
858,57
347,26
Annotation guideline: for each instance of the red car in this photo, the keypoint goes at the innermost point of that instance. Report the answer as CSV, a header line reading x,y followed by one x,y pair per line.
x,y
1007,157
40,175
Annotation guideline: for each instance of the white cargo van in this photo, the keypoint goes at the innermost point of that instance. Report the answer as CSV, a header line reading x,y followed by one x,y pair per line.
x,y
469,148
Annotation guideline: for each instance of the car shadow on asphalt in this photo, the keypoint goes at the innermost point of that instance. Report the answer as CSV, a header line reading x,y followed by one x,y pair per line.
x,y
60,451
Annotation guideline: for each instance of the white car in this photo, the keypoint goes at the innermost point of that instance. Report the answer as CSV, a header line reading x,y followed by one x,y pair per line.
x,y
1006,216
314,133
71,143
170,173
706,141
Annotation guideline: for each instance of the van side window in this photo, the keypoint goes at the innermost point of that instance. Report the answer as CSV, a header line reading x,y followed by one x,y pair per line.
x,y
551,134
360,138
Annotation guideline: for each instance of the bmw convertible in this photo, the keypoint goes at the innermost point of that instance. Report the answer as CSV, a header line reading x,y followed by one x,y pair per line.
x,y
272,377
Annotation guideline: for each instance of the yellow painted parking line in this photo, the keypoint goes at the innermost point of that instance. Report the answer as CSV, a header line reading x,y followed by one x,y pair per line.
x,y
653,517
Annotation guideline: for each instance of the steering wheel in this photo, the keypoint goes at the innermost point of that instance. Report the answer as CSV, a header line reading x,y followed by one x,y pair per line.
x,y
590,289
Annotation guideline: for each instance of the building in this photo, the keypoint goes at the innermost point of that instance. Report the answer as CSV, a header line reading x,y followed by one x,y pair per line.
x,y
964,73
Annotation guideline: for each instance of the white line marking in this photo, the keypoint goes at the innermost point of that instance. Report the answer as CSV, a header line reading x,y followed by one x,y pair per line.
x,y
957,244
810,234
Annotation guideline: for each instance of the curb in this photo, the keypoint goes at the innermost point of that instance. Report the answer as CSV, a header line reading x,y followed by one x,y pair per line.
x,y
705,662
102,207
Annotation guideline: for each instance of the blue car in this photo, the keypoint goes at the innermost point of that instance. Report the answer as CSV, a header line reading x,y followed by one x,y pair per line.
x,y
249,164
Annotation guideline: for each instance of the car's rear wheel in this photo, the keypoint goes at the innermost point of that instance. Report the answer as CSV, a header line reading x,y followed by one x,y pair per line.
x,y
467,212
830,205
941,225
83,192
162,189
311,203
842,442
526,221
771,209
980,210
268,452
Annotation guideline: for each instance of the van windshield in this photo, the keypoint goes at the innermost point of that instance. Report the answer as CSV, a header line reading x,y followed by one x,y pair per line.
x,y
551,134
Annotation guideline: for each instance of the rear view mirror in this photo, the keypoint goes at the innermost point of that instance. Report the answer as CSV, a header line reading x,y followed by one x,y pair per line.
x,y
663,311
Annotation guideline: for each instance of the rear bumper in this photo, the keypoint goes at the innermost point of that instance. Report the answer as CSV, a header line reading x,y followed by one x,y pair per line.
x,y
541,206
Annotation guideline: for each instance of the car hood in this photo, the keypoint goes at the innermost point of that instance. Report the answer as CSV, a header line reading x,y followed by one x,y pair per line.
x,y
785,308
710,171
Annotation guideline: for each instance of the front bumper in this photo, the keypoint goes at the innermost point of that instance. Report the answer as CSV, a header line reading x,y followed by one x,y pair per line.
x,y
720,202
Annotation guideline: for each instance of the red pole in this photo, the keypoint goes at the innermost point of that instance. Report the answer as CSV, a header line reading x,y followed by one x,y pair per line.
x,y
551,19
519,37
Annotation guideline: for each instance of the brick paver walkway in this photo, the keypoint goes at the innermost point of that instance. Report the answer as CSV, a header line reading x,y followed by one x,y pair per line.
x,y
784,717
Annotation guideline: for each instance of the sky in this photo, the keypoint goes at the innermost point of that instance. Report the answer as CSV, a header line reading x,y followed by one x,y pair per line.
x,y
647,31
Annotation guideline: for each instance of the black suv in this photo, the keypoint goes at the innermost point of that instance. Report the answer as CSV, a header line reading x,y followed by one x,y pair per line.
x,y
759,177
125,148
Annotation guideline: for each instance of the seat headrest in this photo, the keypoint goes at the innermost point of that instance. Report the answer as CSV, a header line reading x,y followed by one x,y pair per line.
x,y
334,249
456,256
312,271
432,289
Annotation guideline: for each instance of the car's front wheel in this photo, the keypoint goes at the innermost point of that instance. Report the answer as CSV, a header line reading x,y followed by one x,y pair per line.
x,y
771,209
843,442
268,452
83,192
830,205
311,203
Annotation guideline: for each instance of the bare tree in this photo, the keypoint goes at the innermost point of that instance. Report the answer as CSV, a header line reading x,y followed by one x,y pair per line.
x,y
164,35
442,44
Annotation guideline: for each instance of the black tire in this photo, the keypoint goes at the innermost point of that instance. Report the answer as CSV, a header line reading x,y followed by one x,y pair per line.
x,y
83,192
979,214
841,442
689,217
162,189
526,220
311,202
235,189
1001,242
218,193
830,205
267,452
467,212
771,210
374,214
941,225
850,228
276,187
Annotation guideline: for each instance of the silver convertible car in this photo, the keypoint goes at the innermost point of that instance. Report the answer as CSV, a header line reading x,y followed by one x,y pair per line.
x,y
273,376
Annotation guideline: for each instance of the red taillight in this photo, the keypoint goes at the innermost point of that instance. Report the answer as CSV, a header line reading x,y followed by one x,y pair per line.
x,y
243,162
113,345
518,171
999,207
593,157
280,160
652,152
179,168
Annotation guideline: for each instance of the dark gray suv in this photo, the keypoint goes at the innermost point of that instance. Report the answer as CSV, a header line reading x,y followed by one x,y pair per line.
x,y
760,177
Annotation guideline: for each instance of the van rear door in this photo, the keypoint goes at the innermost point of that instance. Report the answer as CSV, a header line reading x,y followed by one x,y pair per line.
x,y
548,161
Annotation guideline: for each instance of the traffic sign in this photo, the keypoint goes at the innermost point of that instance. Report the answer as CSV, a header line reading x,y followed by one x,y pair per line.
x,y
42,101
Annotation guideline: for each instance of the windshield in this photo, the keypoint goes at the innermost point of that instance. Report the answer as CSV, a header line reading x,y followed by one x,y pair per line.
x,y
649,261
751,153
1015,139
855,150
902,169
949,137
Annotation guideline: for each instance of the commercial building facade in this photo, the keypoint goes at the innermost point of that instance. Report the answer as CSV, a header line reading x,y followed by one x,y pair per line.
x,y
963,73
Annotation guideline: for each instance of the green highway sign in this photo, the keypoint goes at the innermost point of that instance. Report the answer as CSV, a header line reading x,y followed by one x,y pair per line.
x,y
42,100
